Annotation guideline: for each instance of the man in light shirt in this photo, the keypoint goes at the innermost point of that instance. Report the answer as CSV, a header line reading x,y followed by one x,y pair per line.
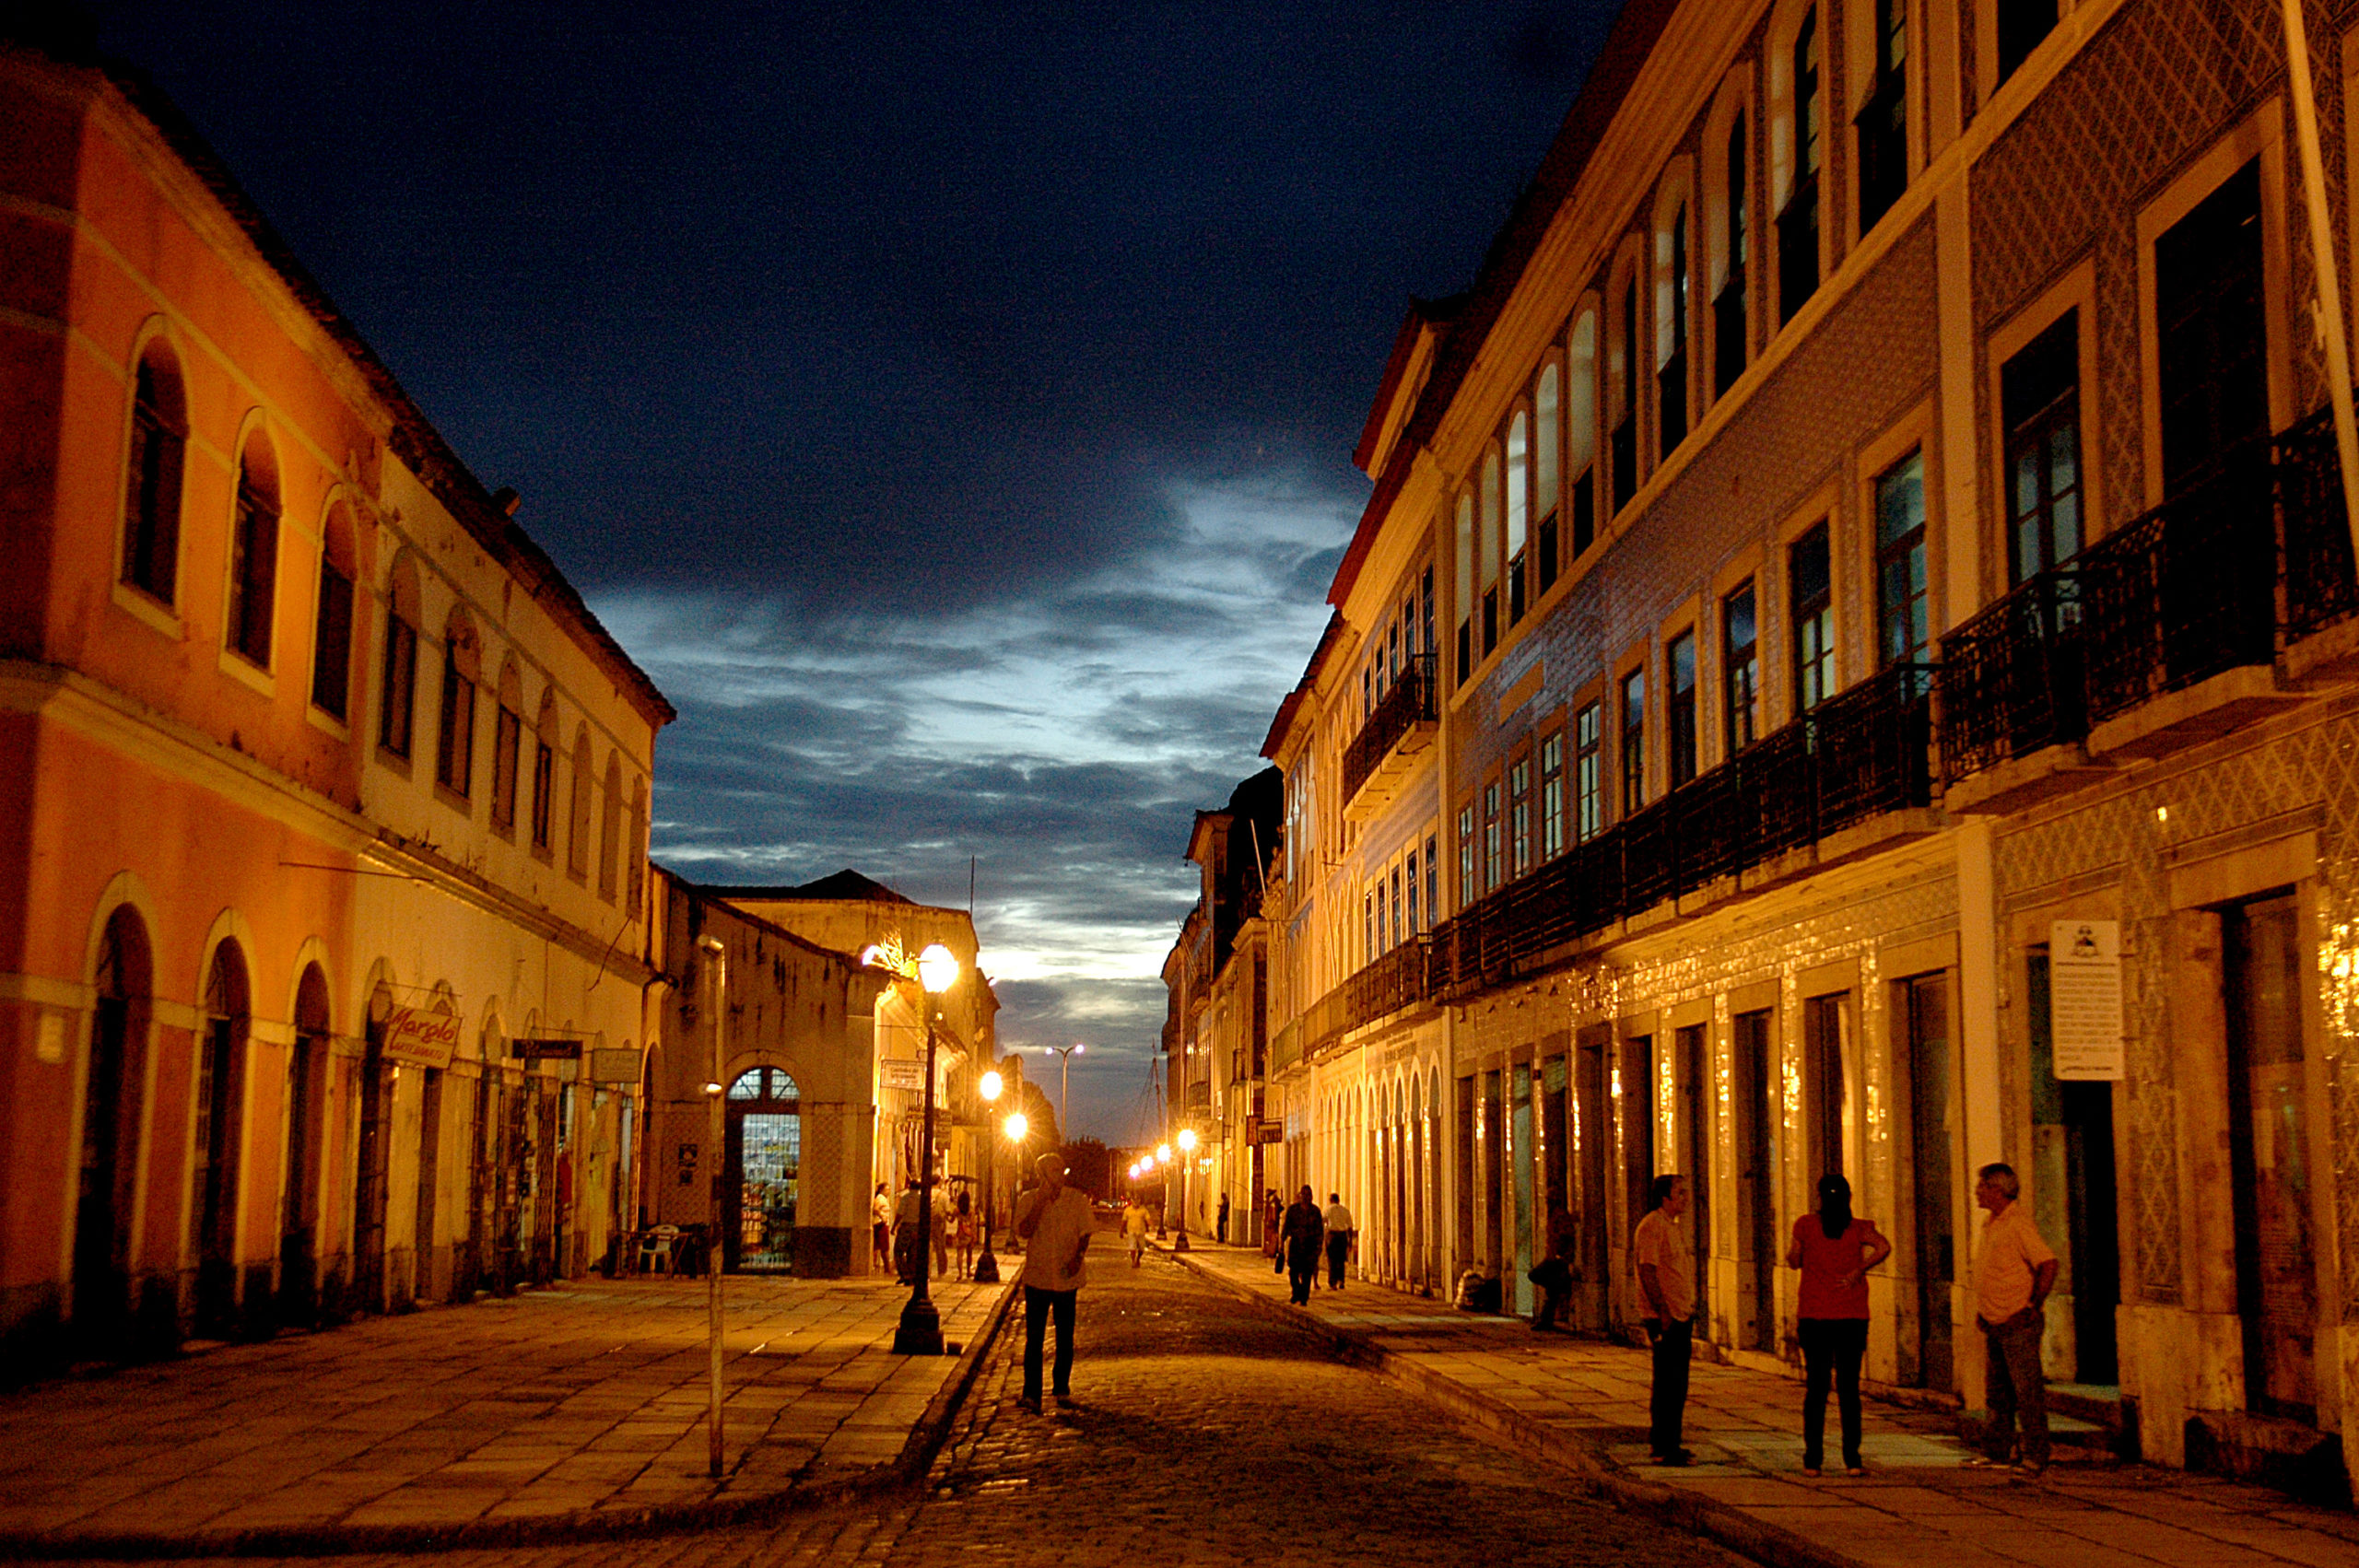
x,y
1340,1230
2014,1271
1055,1221
1669,1289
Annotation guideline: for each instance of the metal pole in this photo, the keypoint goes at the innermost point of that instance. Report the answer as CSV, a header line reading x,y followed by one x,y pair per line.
x,y
717,958
2322,257
919,1333
987,1266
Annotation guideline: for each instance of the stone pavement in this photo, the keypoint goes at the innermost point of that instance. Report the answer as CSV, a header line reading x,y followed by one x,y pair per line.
x,y
567,1411
1583,1404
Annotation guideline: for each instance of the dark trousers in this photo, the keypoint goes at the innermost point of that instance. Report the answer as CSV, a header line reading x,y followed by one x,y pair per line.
x,y
1674,1355
2017,1384
1302,1268
1038,1305
1338,1248
1831,1347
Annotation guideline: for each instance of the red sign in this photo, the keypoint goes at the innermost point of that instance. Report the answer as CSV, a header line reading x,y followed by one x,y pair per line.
x,y
421,1039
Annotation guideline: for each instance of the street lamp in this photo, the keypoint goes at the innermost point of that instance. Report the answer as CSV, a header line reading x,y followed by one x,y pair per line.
x,y
1187,1141
1162,1158
1064,1088
987,1266
935,970
1018,1127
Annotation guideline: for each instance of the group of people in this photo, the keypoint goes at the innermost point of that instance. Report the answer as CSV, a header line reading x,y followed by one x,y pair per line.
x,y
1834,1249
1298,1237
895,1229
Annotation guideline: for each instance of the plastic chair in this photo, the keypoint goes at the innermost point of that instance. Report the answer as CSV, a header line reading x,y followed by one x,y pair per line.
x,y
655,1249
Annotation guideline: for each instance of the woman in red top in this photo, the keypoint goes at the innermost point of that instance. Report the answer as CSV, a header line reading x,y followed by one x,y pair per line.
x,y
1835,1251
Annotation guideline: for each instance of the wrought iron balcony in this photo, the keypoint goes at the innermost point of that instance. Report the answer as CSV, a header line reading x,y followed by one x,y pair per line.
x,y
1395,982
1398,729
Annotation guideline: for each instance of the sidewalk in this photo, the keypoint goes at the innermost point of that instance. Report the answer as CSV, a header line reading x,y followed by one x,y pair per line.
x,y
1582,1403
553,1413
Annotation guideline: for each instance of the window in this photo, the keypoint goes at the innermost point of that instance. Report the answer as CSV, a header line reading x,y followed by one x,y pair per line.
x,y
1581,432
1810,589
1671,375
1465,587
1634,741
1433,879
1426,612
1494,844
1368,925
577,821
507,743
1902,633
2040,409
454,741
1798,224
1518,509
1741,669
1491,551
400,683
1552,796
1588,768
1400,933
151,502
1416,915
1883,121
1467,890
253,553
1729,344
1547,480
1679,707
610,830
332,628
1519,816
2210,329
544,779
2022,25
1625,455
635,851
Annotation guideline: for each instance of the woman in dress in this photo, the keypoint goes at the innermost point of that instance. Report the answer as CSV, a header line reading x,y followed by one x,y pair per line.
x,y
1834,1249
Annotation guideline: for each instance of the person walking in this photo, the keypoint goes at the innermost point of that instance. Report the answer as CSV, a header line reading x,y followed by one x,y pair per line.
x,y
1055,1222
906,1259
2014,1271
1220,1221
1300,1233
1341,1229
1668,1287
1134,1229
1555,1275
963,1221
1273,1216
1834,1249
943,1216
880,1213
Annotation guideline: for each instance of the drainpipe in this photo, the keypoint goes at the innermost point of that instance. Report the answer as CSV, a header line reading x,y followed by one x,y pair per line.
x,y
2322,255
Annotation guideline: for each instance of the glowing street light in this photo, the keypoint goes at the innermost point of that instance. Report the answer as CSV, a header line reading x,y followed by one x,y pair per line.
x,y
1187,1141
986,1266
935,970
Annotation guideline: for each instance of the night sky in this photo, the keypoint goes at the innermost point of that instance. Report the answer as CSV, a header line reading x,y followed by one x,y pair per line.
x,y
950,406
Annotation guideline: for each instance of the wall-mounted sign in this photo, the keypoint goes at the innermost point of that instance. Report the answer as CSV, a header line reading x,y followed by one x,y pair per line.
x,y
2084,1001
618,1067
895,1073
418,1038
549,1050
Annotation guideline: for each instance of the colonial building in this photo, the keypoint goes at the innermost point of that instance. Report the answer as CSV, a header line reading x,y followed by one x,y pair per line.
x,y
1872,518
323,869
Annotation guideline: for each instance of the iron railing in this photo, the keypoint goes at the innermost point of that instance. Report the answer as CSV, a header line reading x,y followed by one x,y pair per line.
x,y
1410,702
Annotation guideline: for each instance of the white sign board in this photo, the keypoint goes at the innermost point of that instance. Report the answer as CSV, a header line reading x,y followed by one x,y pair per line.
x,y
2084,1001
618,1067
420,1039
898,1073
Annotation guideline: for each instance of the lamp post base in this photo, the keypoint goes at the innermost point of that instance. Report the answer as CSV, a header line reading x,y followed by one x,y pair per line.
x,y
986,1266
920,1332
1179,1242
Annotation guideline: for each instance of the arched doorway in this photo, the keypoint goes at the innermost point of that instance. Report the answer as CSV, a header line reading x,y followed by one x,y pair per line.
x,y
220,1100
761,1177
110,1154
306,1101
368,1185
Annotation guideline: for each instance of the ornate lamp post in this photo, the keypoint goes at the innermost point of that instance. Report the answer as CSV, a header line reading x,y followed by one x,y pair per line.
x,y
935,970
987,1266
1187,1141
1064,1087
1018,1128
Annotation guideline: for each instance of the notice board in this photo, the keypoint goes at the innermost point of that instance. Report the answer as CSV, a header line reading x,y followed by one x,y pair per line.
x,y
2084,1001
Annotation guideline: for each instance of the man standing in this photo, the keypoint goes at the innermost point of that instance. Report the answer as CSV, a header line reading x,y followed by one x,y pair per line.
x,y
1340,1231
2014,1271
1299,1233
881,1225
1663,1254
1054,1221
1220,1221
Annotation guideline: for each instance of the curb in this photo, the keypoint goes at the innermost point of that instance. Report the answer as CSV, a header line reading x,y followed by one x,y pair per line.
x,y
1595,1472
917,1455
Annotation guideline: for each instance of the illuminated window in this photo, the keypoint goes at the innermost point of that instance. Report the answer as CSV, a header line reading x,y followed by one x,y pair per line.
x,y
1494,846
1519,816
1552,795
1588,773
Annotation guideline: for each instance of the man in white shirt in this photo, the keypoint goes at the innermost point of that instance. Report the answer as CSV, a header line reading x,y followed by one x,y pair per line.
x,y
1339,1239
1055,1221
1668,1287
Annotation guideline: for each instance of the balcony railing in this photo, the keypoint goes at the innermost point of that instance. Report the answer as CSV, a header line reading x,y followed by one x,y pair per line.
x,y
1398,979
2252,555
1409,703
1862,753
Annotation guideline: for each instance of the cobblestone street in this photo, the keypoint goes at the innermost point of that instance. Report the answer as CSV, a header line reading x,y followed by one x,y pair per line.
x,y
1207,1433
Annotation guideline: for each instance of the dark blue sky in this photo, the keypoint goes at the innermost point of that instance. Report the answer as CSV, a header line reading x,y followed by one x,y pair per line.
x,y
951,406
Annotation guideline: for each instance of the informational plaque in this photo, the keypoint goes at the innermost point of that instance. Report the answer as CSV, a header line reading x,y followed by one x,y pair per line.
x,y
901,1073
615,1067
2085,999
420,1038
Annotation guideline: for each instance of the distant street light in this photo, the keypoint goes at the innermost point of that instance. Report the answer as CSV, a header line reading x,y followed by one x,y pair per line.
x,y
987,1266
935,970
1064,1088
1187,1141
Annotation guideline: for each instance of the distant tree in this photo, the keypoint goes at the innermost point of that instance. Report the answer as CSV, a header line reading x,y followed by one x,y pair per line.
x,y
1089,1166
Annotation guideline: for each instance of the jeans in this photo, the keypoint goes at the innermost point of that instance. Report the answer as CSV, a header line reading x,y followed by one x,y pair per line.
x,y
2017,1385
1339,1247
1302,1268
1038,1306
1674,1355
1831,1345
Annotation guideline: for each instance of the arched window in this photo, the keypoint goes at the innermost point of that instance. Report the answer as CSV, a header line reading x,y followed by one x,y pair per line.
x,y
1795,153
152,501
1728,166
1547,474
454,748
1518,447
397,693
610,829
1672,321
1464,577
111,1154
507,747
221,1099
1490,562
1884,119
544,777
1581,429
331,619
635,848
577,818
254,552
307,1071
1622,370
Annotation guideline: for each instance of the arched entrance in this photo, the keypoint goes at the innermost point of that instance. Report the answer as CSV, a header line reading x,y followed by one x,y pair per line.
x,y
761,1177
220,1102
111,1156
306,1103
